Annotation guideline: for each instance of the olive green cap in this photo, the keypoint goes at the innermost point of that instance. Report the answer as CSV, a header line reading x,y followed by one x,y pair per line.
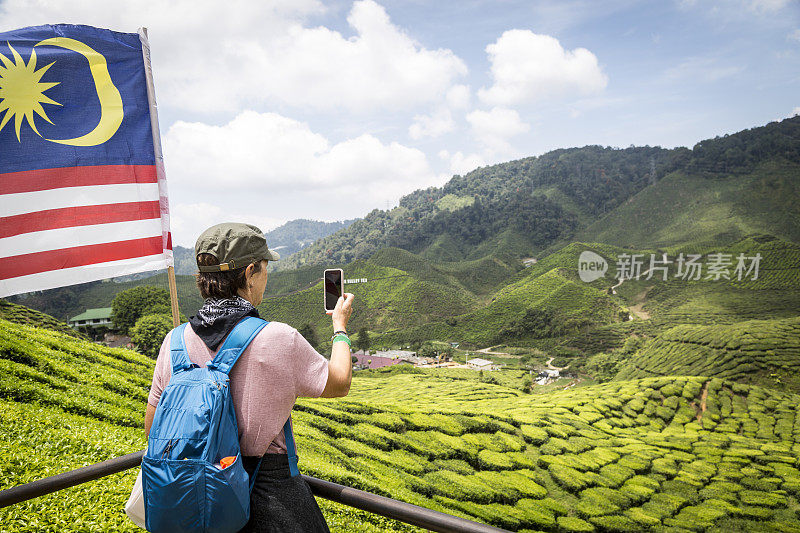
x,y
235,245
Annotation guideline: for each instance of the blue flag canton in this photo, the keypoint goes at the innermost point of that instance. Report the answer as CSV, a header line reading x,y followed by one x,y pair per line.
x,y
72,96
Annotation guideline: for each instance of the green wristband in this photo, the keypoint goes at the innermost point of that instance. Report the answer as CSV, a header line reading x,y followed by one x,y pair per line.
x,y
344,338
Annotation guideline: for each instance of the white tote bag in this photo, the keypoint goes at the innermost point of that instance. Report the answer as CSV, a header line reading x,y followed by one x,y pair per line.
x,y
134,507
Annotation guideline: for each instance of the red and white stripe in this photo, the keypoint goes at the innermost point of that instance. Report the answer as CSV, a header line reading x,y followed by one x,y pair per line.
x,y
72,225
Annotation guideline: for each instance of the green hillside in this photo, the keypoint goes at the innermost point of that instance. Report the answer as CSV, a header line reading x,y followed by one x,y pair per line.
x,y
392,299
479,276
685,208
656,454
657,304
25,315
754,351
423,300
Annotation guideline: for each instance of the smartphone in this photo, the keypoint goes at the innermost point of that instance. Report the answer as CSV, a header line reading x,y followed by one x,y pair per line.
x,y
334,287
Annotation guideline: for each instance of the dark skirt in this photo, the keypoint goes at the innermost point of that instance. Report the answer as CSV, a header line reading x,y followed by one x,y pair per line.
x,y
280,503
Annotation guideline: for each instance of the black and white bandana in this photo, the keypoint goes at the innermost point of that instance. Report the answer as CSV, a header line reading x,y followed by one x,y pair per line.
x,y
217,318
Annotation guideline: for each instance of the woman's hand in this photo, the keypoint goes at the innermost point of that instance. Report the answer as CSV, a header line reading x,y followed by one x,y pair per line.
x,y
341,313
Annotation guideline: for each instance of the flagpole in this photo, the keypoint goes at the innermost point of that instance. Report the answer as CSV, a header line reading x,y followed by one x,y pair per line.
x,y
162,180
173,297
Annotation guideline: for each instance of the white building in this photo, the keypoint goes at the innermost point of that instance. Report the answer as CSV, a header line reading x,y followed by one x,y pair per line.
x,y
547,376
481,364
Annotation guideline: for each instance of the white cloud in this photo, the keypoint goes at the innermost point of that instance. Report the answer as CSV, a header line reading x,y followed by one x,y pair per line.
x,y
794,113
458,96
270,150
462,164
188,220
365,165
528,67
795,35
440,121
252,148
380,67
196,46
268,163
209,59
435,125
494,128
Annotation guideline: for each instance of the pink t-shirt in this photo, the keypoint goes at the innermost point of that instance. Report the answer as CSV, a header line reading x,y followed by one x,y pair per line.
x,y
278,366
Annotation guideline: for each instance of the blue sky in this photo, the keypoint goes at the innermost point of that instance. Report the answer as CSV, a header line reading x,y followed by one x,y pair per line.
x,y
272,111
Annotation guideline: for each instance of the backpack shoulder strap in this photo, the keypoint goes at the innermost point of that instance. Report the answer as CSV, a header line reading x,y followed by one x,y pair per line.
x,y
177,350
291,450
238,339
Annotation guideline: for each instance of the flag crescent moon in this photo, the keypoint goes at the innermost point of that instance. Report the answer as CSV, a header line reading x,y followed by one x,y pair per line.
x,y
111,111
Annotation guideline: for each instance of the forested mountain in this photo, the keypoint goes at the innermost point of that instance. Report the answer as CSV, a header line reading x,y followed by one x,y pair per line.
x,y
725,189
541,198
551,198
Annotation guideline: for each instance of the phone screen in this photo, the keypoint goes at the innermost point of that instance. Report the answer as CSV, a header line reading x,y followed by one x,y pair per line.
x,y
333,287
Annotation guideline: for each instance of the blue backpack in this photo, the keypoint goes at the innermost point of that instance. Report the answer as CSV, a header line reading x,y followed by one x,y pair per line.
x,y
194,427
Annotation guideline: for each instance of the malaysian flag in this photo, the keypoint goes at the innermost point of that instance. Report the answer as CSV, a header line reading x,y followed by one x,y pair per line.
x,y
82,190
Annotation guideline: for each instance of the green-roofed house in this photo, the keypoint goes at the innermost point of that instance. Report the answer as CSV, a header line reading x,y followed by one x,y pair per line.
x,y
93,318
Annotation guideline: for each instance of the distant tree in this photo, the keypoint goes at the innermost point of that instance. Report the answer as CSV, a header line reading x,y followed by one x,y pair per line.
x,y
363,341
310,334
427,350
527,383
149,331
415,342
536,323
353,359
131,304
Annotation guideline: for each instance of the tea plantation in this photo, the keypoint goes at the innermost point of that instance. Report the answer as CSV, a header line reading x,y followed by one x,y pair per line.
x,y
25,315
750,351
657,453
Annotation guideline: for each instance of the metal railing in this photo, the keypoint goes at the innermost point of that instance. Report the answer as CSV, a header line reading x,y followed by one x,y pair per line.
x,y
366,501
